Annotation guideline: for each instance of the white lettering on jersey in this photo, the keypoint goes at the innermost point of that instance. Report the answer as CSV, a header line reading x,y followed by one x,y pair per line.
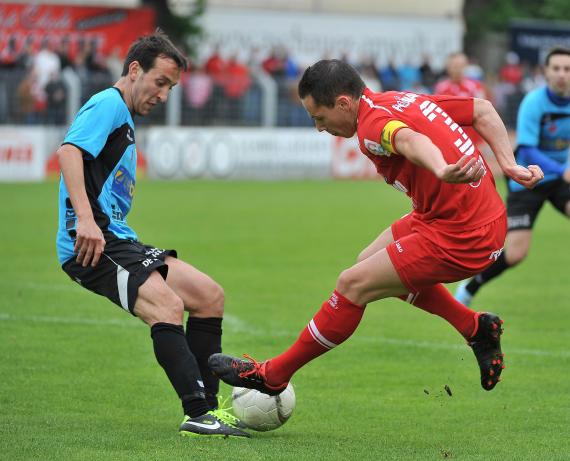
x,y
495,254
404,101
431,110
399,246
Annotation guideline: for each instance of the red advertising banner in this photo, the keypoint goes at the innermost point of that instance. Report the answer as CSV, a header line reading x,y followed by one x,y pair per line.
x,y
101,29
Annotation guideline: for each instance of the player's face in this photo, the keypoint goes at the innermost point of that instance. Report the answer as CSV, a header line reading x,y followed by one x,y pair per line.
x,y
339,120
456,67
557,74
152,87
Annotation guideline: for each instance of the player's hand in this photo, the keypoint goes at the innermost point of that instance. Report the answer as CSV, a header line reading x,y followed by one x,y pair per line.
x,y
566,175
527,177
467,169
89,242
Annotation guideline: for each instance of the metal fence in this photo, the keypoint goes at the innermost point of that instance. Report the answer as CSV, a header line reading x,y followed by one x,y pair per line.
x,y
196,101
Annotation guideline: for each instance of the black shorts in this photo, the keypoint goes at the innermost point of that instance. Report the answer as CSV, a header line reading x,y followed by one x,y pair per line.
x,y
523,206
123,267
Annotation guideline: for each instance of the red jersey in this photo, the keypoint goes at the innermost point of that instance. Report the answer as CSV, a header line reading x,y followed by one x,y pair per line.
x,y
438,206
466,88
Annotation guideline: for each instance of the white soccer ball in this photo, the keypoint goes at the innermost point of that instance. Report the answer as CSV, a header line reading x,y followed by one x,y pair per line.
x,y
262,412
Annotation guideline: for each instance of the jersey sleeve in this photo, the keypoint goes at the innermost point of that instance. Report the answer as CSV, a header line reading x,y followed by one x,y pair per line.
x,y
530,155
378,135
92,125
528,123
459,108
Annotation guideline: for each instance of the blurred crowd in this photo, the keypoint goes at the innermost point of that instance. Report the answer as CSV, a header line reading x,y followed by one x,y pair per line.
x,y
32,76
225,89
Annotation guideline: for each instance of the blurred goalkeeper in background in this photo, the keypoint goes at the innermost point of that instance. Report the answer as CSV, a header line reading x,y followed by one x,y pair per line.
x,y
457,226
98,250
543,137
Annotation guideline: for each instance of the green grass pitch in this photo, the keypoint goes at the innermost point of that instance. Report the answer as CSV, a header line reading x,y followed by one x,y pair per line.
x,y
79,380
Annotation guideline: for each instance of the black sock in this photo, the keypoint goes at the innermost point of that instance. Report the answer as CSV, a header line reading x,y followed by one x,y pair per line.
x,y
172,353
204,336
497,268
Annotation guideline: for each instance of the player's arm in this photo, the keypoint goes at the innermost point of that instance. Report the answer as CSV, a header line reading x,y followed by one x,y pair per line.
x,y
420,150
531,154
89,243
528,138
489,125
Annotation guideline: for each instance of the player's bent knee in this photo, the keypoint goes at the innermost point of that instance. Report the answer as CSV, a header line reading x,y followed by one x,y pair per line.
x,y
170,311
349,282
215,303
161,307
515,257
362,255
515,254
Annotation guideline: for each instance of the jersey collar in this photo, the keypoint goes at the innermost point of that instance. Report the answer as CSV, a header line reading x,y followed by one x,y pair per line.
x,y
557,99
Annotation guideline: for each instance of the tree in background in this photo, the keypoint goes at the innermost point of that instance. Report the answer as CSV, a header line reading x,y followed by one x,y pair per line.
x,y
180,20
483,16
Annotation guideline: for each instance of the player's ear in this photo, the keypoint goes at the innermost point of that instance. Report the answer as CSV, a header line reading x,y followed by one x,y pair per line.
x,y
134,69
344,102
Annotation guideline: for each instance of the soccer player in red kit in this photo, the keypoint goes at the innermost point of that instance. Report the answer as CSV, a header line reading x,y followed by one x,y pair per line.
x,y
457,226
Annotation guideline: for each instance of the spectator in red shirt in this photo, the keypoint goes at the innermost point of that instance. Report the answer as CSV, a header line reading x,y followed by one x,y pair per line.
x,y
457,84
511,72
215,65
274,64
237,79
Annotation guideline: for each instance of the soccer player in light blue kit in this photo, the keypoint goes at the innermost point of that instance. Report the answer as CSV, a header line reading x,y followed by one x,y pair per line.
x,y
97,248
543,138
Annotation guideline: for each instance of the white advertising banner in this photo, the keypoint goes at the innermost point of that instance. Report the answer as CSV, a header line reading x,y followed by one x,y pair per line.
x,y
309,37
246,153
22,153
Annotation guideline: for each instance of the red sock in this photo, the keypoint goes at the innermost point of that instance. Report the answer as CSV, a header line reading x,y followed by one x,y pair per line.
x,y
438,301
333,323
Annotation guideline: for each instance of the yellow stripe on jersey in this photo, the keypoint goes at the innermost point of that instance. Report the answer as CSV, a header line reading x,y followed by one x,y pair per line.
x,y
386,138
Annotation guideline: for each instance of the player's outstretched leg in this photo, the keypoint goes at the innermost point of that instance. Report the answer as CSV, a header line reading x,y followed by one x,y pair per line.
x,y
243,373
215,423
332,324
486,344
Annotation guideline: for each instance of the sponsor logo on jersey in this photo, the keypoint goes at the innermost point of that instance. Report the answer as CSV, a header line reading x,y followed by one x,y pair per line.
x,y
154,252
148,261
495,254
404,101
399,246
518,221
375,148
123,189
333,301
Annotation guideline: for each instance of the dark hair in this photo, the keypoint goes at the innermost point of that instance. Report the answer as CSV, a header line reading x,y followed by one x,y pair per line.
x,y
555,51
146,49
329,78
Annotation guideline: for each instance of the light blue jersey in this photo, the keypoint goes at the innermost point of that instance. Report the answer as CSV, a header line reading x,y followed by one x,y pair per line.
x,y
104,131
543,122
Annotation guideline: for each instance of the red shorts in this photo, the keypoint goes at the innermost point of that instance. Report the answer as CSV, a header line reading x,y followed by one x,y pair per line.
x,y
425,257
